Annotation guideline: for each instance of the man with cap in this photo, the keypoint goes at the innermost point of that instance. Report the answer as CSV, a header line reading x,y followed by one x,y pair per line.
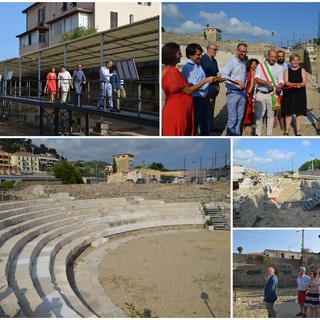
x,y
302,280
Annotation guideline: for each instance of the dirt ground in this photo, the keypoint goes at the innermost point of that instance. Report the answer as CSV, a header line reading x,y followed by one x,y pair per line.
x,y
168,275
248,303
307,126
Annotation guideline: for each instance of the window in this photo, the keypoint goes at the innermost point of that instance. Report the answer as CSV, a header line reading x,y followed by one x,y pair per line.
x,y
131,18
84,20
41,15
145,3
57,29
71,23
113,19
42,37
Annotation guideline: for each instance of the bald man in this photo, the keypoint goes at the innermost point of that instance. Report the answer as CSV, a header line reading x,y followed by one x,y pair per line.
x,y
270,291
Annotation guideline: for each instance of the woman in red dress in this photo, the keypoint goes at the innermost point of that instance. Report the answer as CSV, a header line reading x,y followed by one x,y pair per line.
x,y
51,85
249,108
178,111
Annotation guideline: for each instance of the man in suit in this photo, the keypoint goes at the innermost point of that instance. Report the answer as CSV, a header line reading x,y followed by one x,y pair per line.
x,y
270,292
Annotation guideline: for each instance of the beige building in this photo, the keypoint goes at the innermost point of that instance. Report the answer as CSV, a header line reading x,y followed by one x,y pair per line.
x,y
5,163
24,162
47,21
124,162
282,254
213,34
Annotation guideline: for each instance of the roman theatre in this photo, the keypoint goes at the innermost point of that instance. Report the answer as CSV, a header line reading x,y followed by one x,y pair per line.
x,y
120,250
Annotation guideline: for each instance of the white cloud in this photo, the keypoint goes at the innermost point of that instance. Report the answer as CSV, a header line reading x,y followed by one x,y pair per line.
x,y
247,158
172,11
232,25
189,27
280,155
305,143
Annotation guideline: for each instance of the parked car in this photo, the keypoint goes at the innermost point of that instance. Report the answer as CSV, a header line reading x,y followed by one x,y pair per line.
x,y
181,180
194,179
223,178
166,180
209,179
140,181
153,180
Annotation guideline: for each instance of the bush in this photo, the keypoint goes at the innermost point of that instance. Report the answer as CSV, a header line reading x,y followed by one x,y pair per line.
x,y
7,184
68,173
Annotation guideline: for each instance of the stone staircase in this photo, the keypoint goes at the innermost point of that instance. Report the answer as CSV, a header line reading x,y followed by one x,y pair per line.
x,y
218,219
39,240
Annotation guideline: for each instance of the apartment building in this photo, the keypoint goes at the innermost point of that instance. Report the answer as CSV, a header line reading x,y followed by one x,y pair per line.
x,y
46,161
24,162
46,22
5,163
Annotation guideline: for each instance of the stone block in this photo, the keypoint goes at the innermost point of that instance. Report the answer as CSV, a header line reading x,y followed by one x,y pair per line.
x,y
103,128
98,243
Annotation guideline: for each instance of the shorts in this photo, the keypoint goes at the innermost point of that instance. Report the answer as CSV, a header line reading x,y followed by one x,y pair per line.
x,y
301,296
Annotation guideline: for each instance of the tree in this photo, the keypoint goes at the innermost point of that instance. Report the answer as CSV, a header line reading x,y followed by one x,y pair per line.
x,y
157,166
308,165
239,249
114,166
68,173
77,33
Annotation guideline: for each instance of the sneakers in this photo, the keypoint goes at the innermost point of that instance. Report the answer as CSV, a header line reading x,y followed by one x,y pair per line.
x,y
299,314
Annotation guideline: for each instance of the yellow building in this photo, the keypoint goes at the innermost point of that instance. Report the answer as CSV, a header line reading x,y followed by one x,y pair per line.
x,y
25,162
5,163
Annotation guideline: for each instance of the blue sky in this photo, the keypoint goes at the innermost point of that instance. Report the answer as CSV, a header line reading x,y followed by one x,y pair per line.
x,y
251,21
275,154
12,23
280,239
170,152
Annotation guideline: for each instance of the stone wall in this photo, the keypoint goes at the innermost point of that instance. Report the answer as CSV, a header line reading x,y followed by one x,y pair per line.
x,y
185,192
250,270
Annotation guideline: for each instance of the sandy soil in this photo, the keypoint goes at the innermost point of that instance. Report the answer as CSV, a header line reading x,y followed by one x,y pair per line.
x,y
167,274
248,303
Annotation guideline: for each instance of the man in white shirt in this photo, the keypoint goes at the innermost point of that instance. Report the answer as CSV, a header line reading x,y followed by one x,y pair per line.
x,y
64,83
267,87
281,62
105,85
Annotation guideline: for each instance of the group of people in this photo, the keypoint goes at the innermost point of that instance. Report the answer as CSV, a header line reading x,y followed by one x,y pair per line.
x,y
274,88
64,82
308,292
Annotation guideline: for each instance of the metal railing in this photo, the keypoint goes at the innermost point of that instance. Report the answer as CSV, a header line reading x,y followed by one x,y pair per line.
x,y
135,100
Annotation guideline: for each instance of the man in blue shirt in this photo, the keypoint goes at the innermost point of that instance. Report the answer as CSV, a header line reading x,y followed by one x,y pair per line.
x,y
193,74
270,292
236,71
79,79
210,66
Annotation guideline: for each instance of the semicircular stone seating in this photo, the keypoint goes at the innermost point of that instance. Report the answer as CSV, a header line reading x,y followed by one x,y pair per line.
x,y
39,240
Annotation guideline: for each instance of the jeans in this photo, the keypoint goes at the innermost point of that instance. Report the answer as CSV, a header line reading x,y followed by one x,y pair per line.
x,y
201,116
236,101
77,92
105,91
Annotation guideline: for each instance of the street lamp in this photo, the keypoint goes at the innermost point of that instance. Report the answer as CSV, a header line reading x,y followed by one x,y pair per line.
x,y
312,155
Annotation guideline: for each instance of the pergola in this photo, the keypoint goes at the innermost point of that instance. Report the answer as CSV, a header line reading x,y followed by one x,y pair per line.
x,y
138,41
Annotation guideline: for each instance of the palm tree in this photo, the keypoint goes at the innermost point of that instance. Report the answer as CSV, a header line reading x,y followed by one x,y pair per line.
x,y
240,249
